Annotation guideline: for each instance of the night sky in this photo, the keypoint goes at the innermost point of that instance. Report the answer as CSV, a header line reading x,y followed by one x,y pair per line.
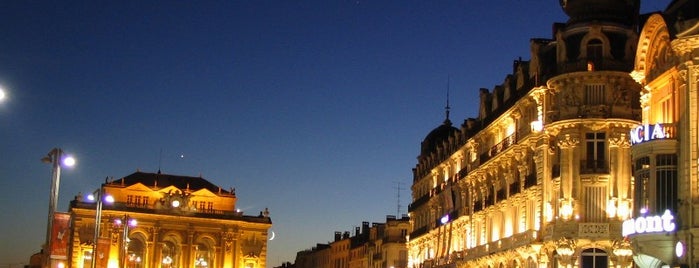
x,y
314,109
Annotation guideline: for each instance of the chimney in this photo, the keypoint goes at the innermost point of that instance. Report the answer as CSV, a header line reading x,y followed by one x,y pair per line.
x,y
338,236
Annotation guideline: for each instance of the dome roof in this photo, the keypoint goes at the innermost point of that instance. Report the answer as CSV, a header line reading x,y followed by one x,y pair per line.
x,y
620,11
436,137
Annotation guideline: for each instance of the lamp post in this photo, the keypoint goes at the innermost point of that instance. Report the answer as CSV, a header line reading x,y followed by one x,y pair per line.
x,y
126,222
99,197
56,158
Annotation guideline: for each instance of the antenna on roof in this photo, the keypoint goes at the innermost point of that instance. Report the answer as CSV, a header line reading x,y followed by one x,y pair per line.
x,y
447,108
398,189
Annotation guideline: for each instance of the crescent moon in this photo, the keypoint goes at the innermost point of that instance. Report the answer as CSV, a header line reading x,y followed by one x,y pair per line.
x,y
272,238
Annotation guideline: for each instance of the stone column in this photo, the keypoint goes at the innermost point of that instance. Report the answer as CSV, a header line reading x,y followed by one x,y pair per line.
x,y
569,184
620,169
188,249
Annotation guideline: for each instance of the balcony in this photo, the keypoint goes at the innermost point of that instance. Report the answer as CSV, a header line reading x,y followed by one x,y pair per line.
x,y
418,232
418,202
599,65
594,167
507,243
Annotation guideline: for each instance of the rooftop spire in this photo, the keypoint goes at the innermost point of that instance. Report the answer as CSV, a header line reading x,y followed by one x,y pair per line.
x,y
447,108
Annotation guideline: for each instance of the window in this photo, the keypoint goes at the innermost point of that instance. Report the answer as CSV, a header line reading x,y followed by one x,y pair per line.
x,y
129,200
666,182
595,94
667,110
202,206
595,152
210,206
641,181
145,201
594,50
594,258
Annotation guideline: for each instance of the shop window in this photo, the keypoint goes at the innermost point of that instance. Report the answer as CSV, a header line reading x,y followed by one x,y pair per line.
x,y
641,183
666,182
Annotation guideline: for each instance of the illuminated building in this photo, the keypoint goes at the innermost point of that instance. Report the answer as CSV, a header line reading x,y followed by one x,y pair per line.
x,y
160,220
379,246
542,177
665,146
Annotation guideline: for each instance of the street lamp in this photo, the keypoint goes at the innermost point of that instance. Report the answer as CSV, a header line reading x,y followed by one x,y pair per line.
x,y
99,197
57,159
126,222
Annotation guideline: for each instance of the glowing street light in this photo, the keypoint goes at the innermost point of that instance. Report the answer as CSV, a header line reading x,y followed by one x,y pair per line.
x,y
3,95
99,197
126,223
57,158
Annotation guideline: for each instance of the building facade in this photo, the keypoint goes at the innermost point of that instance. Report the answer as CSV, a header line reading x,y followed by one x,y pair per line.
x,y
150,220
665,146
381,245
542,177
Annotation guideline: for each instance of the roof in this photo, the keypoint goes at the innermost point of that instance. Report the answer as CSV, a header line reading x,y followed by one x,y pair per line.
x,y
436,137
164,180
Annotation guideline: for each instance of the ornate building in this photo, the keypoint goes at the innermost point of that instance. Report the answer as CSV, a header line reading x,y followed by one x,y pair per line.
x,y
152,220
542,177
666,144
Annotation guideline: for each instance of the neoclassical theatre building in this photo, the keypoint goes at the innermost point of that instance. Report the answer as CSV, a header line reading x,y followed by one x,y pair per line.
x,y
665,146
153,220
543,176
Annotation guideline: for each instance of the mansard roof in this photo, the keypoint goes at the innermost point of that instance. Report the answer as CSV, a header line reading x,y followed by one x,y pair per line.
x,y
165,180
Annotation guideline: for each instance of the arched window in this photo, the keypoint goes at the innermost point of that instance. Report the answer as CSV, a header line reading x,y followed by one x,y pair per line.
x,y
594,258
134,253
594,50
170,255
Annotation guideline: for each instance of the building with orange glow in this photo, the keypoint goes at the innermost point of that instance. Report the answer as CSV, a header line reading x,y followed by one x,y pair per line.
x,y
380,245
666,145
160,220
542,177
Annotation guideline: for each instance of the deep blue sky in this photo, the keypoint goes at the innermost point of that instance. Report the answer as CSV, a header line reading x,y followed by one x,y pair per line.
x,y
315,109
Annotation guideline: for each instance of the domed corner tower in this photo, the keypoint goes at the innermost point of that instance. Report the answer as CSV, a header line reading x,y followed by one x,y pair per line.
x,y
590,106
599,35
436,137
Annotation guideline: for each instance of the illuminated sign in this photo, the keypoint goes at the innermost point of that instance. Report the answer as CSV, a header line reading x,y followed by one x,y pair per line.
x,y
647,132
649,224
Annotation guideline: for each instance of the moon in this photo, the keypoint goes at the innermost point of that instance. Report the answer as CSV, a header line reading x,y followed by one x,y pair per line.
x,y
272,238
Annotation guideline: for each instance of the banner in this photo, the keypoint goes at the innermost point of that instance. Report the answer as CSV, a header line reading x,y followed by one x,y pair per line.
x,y
60,236
102,254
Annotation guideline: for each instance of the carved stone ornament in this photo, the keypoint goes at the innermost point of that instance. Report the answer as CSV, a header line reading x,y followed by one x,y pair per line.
x,y
228,238
620,140
568,141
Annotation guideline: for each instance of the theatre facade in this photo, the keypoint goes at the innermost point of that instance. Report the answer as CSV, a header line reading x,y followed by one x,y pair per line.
x,y
148,220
